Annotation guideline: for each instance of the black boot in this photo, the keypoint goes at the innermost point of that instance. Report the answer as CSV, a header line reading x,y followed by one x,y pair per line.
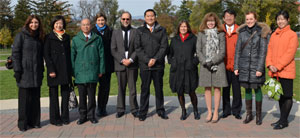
x,y
196,114
249,116
258,112
183,114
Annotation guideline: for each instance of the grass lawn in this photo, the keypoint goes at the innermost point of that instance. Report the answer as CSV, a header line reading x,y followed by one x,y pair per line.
x,y
8,88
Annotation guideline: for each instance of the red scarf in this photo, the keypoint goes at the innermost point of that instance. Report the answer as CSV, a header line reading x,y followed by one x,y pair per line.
x,y
185,37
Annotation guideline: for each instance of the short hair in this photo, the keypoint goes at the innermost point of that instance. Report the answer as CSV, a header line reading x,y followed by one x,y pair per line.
x,y
284,13
98,15
55,19
203,24
127,13
150,10
187,24
230,11
40,28
252,12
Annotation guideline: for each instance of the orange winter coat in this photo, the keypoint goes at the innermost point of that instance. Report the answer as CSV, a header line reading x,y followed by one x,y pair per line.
x,y
281,52
230,47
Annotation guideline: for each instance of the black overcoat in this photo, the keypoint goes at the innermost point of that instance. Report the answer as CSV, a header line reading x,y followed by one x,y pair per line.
x,y
27,55
183,60
151,45
106,39
57,54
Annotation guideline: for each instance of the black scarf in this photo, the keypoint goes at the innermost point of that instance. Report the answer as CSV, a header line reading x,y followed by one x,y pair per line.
x,y
125,29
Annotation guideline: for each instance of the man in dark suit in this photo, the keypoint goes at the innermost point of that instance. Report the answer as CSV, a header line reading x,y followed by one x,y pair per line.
x,y
151,46
126,68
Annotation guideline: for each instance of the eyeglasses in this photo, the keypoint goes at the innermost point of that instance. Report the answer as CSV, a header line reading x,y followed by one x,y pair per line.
x,y
125,19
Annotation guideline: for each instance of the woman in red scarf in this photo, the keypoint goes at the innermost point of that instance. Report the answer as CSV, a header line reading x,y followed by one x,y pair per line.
x,y
184,71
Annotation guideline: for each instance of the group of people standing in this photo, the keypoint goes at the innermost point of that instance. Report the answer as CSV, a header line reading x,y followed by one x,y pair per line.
x,y
228,55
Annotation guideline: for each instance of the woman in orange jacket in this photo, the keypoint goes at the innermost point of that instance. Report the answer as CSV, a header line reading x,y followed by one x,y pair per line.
x,y
280,61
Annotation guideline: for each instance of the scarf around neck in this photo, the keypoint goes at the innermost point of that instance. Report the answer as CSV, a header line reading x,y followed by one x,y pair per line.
x,y
59,34
100,29
212,45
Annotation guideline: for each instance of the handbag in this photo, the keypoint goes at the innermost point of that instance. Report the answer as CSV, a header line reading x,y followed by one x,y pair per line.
x,y
73,102
273,87
9,63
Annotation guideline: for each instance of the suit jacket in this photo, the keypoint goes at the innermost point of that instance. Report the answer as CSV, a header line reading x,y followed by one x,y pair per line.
x,y
118,50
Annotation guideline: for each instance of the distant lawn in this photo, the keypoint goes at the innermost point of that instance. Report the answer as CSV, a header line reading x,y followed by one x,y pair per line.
x,y
8,88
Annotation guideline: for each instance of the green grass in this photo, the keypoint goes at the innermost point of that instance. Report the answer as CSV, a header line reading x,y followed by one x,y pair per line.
x,y
297,54
8,88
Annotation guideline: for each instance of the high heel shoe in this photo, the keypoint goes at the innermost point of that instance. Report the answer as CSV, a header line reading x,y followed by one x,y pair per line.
x,y
215,121
206,120
183,114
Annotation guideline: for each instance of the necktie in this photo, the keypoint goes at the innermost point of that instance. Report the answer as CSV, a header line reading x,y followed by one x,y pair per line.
x,y
126,40
151,29
229,31
86,39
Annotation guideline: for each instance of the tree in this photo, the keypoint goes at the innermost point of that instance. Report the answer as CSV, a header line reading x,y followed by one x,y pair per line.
x,y
22,11
47,9
5,37
167,22
6,14
87,9
202,7
184,11
164,7
110,9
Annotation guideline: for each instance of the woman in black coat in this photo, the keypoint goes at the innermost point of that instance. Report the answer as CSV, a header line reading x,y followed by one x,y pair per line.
x,y
184,71
58,60
27,55
102,29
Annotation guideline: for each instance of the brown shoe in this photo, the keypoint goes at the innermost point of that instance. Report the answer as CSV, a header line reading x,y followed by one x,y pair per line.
x,y
249,116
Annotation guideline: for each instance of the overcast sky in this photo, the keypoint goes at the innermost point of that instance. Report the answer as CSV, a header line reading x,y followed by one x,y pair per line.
x,y
135,7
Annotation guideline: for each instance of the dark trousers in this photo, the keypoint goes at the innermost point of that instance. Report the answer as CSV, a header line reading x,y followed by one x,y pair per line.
x,y
54,114
87,110
29,107
147,76
103,90
286,100
236,107
128,76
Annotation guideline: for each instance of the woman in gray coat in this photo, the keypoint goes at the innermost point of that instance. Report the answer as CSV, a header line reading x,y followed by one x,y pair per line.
x,y
211,53
249,61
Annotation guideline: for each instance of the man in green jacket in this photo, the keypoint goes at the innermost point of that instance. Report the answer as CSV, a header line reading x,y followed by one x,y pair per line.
x,y
87,55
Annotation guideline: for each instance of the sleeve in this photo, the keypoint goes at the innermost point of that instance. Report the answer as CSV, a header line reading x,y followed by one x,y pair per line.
x,y
17,53
73,56
220,56
269,53
170,55
199,49
140,52
237,53
101,56
114,50
289,53
262,54
48,56
161,53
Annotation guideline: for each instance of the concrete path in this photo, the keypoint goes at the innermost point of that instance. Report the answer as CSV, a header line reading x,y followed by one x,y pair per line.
x,y
153,126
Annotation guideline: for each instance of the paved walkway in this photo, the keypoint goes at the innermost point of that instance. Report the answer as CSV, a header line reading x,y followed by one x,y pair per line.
x,y
153,126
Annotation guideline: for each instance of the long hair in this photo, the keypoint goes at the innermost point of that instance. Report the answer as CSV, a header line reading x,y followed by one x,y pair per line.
x,y
40,28
187,24
207,18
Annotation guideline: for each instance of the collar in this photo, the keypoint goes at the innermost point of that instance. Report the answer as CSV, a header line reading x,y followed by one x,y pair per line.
x,y
279,31
89,35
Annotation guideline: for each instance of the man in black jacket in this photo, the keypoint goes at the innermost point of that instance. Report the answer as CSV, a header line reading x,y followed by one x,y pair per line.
x,y
151,47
